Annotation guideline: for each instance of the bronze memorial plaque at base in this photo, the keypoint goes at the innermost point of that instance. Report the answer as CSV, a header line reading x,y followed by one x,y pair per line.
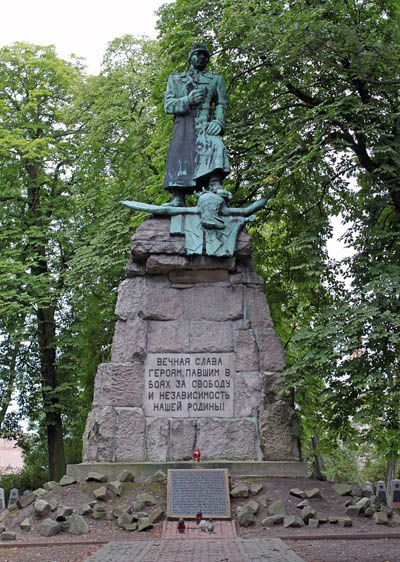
x,y
206,490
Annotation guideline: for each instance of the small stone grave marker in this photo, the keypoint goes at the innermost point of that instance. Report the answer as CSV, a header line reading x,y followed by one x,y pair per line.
x,y
26,492
189,491
381,490
368,487
14,496
2,499
396,493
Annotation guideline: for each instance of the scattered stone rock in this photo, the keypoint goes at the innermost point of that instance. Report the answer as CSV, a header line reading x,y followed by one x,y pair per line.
x,y
8,536
356,489
313,523
307,513
375,502
369,511
251,506
99,511
144,524
100,493
41,508
262,500
276,508
140,514
321,517
297,493
96,477
85,509
271,520
63,512
53,504
138,506
293,521
156,515
345,522
245,518
126,476
119,510
50,485
159,476
364,503
116,487
124,519
3,515
2,527
147,499
67,480
383,507
39,492
240,490
302,504
49,528
131,527
12,507
348,502
381,518
354,510
313,493
333,519
24,501
396,518
255,488
342,488
77,525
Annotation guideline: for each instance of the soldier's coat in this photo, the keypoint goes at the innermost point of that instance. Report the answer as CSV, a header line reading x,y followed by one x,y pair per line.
x,y
193,154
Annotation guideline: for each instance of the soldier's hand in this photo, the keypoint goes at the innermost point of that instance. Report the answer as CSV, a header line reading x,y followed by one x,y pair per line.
x,y
213,128
196,96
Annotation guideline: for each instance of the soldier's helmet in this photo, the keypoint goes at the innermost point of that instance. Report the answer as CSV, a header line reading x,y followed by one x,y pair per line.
x,y
198,47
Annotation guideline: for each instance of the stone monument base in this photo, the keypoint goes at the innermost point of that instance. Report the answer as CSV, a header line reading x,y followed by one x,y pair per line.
x,y
143,470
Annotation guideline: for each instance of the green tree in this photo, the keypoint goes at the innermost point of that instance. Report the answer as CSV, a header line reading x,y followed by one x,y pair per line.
x,y
314,106
119,158
37,158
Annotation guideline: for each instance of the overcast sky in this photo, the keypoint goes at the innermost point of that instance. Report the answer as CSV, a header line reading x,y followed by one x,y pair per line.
x,y
81,27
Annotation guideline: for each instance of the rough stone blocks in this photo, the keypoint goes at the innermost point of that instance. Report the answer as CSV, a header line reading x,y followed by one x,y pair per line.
x,y
170,386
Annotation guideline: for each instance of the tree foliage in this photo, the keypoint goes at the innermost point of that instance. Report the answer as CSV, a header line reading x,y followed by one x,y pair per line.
x,y
314,96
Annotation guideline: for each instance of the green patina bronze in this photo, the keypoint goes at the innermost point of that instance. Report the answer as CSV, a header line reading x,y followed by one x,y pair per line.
x,y
197,156
197,159
210,228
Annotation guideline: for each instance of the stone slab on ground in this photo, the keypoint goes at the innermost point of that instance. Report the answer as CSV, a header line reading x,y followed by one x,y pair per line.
x,y
212,550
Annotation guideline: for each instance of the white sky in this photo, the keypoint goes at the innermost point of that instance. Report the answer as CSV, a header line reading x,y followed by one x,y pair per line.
x,y
81,27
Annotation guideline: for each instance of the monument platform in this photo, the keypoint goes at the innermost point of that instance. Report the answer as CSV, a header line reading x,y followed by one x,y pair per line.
x,y
143,470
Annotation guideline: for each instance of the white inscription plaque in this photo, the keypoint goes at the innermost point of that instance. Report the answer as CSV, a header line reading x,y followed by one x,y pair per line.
x,y
189,385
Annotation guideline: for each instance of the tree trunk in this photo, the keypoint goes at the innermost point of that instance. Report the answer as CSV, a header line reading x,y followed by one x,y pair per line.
x,y
318,462
390,475
55,442
45,314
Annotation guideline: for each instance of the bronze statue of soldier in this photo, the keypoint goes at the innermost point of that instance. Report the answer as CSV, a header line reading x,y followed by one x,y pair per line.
x,y
197,157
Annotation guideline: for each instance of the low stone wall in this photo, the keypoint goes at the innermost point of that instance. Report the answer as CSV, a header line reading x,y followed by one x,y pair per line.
x,y
195,361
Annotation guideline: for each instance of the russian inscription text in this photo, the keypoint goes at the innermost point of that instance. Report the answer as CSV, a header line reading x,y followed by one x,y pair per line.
x,y
189,385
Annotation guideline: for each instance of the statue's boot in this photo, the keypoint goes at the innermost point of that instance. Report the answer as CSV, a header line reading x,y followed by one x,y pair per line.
x,y
177,200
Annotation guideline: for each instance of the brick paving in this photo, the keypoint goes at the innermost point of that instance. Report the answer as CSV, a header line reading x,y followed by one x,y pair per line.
x,y
197,550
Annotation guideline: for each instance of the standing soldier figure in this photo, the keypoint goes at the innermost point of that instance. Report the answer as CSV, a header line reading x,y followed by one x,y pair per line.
x,y
197,156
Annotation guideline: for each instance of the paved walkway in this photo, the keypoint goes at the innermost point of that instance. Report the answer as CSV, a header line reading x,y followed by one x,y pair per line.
x,y
213,550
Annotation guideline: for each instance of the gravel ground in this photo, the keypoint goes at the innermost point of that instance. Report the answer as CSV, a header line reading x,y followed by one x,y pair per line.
x,y
383,550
